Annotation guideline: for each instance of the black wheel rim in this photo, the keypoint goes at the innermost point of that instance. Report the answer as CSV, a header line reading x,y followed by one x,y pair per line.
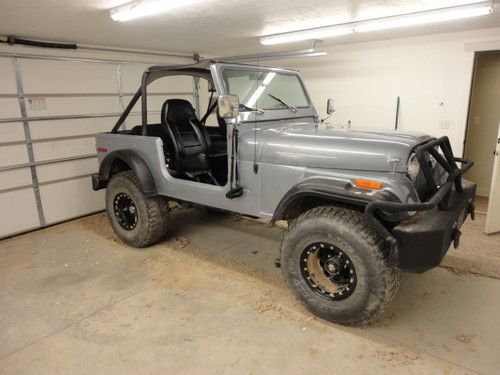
x,y
328,271
125,211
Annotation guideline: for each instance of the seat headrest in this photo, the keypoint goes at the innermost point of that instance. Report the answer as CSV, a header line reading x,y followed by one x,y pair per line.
x,y
177,110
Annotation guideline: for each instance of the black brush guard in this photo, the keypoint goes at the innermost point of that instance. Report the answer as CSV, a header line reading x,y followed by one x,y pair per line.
x,y
421,241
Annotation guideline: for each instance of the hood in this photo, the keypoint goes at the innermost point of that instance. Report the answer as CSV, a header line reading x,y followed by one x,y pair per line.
x,y
308,145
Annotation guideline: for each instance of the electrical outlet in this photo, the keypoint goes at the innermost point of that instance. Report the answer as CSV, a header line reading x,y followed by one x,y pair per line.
x,y
444,124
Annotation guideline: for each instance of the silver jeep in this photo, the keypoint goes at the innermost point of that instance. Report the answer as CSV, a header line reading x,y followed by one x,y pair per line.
x,y
361,206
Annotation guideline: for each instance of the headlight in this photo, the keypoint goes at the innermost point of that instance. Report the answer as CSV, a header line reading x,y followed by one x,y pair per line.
x,y
413,167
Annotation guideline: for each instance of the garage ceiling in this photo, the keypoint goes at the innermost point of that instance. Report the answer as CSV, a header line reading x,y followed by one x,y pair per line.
x,y
214,27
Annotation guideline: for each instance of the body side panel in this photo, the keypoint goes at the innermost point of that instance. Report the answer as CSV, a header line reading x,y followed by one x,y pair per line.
x,y
150,149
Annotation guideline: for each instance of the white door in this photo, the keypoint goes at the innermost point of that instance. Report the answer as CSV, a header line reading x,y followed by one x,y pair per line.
x,y
493,216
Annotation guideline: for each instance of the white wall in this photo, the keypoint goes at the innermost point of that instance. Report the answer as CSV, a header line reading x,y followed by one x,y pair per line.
x,y
483,122
431,74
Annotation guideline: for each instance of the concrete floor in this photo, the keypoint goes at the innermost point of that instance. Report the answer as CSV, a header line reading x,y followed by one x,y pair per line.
x,y
209,300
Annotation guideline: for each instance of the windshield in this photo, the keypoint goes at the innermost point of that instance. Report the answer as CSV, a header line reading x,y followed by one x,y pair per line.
x,y
265,90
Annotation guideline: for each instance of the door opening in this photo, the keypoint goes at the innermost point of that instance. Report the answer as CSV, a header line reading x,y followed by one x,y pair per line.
x,y
482,136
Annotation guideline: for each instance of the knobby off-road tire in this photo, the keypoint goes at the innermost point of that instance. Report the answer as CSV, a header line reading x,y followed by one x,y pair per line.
x,y
344,240
138,221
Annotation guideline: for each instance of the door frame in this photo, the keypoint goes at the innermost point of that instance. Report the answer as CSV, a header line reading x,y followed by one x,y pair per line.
x,y
471,90
471,50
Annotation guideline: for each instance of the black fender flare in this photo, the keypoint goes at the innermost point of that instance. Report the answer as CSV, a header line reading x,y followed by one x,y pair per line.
x,y
323,188
135,162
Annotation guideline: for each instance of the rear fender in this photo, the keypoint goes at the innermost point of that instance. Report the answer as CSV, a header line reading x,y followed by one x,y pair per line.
x,y
119,160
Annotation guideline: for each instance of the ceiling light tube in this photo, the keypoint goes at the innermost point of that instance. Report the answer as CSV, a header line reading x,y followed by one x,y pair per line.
x,y
276,55
410,19
144,8
311,34
422,18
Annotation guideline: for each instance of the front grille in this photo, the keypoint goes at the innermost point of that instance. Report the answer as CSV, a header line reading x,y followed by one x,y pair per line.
x,y
439,175
422,187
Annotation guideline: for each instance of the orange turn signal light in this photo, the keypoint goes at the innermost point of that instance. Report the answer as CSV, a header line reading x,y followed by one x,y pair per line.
x,y
368,184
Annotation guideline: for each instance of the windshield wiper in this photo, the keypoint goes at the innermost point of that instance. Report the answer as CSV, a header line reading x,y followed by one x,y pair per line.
x,y
251,109
289,106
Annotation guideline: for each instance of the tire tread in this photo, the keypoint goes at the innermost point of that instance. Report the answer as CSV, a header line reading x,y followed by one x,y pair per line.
x,y
390,277
157,214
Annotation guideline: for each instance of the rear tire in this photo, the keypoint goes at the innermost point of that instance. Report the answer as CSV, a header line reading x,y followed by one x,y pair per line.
x,y
336,265
138,220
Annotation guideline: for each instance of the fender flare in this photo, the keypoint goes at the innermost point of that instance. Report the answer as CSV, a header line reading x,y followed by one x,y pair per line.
x,y
323,189
135,162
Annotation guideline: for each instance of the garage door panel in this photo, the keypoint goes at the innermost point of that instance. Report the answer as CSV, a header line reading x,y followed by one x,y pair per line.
x,y
69,128
69,199
13,154
67,169
59,106
131,76
7,79
9,108
22,208
65,88
15,178
133,120
156,102
63,148
172,84
11,132
131,80
40,76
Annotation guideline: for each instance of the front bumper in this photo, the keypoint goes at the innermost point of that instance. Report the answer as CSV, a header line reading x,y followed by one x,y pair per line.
x,y
420,242
424,239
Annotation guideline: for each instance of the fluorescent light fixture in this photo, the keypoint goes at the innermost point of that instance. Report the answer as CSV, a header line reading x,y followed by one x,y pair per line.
x,y
144,8
422,18
311,34
410,19
275,55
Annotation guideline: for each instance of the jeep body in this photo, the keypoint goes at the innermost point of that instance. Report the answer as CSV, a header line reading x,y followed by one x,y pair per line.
x,y
283,161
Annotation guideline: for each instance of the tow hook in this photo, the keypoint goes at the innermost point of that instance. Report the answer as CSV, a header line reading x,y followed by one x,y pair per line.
x,y
471,208
455,236
277,263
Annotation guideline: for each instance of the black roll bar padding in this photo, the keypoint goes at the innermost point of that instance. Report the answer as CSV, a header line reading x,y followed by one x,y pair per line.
x,y
441,194
209,111
144,102
127,110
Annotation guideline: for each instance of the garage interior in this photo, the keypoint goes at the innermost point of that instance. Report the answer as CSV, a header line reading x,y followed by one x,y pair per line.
x,y
208,298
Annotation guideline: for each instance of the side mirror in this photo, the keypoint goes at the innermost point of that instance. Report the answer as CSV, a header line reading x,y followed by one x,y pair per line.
x,y
330,108
228,106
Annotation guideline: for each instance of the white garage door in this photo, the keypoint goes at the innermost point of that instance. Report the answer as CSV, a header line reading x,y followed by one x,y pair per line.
x,y
50,111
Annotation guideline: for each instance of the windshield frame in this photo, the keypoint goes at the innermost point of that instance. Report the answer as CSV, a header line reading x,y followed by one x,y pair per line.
x,y
269,114
264,71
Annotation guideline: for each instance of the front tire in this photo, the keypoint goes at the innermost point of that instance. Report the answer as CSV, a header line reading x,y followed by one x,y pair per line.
x,y
336,265
138,220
